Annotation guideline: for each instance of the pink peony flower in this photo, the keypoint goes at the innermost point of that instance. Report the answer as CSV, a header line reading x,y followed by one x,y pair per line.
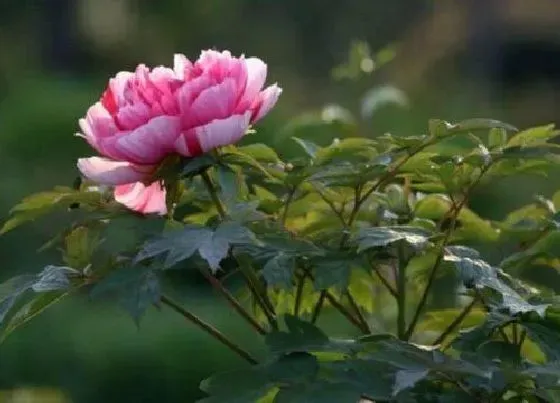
x,y
191,109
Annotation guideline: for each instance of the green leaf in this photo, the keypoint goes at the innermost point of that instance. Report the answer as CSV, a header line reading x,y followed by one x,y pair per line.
x,y
55,278
479,274
547,338
309,147
80,245
300,337
293,368
40,204
213,246
382,236
260,152
11,290
196,165
535,135
407,378
350,149
323,392
229,183
332,273
241,386
497,138
481,124
137,287
279,271
37,305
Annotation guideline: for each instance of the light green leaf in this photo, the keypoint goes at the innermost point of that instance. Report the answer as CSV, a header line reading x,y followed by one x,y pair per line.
x,y
309,147
535,135
382,236
260,152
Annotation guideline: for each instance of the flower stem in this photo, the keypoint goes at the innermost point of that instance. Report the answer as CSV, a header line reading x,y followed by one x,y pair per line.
x,y
453,325
233,302
208,328
401,295
245,267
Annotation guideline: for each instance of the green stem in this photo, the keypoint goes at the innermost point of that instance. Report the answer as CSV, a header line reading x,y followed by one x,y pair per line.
x,y
453,325
217,285
363,322
342,309
401,296
291,195
245,267
383,280
318,306
208,328
299,294
214,194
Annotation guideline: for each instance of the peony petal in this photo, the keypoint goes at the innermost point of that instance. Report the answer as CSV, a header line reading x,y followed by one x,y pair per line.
x,y
181,65
109,172
222,132
265,102
256,77
216,102
118,85
100,122
131,116
143,199
149,143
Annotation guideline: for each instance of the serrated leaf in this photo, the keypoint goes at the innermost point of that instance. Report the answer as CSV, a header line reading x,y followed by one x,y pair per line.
x,y
137,288
300,337
279,271
213,246
479,274
332,273
80,245
54,278
407,378
382,236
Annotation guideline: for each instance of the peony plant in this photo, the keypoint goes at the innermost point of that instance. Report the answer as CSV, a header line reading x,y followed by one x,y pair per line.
x,y
354,230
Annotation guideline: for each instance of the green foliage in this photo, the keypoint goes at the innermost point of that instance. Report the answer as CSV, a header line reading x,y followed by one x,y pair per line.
x,y
359,227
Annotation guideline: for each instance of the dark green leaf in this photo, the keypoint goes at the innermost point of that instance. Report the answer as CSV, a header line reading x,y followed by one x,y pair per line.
x,y
300,337
196,165
477,273
213,246
241,386
137,288
407,378
320,392
332,273
293,368
279,271
229,183
547,338
54,278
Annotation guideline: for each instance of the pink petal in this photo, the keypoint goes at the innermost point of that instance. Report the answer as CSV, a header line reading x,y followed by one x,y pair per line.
x,y
131,116
109,172
118,85
189,92
216,102
181,65
149,143
222,132
265,102
256,77
143,199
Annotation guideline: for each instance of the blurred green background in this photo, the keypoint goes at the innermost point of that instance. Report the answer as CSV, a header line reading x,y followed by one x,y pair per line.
x,y
454,59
